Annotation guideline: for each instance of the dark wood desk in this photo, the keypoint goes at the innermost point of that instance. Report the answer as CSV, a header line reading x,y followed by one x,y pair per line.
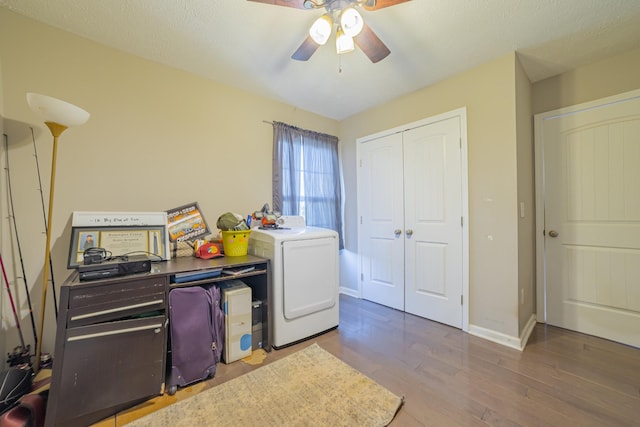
x,y
111,340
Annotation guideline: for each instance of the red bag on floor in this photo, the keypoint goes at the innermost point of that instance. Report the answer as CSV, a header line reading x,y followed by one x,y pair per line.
x,y
29,412
14,383
30,409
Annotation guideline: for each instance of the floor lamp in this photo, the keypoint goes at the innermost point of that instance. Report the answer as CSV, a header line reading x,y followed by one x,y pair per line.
x,y
58,116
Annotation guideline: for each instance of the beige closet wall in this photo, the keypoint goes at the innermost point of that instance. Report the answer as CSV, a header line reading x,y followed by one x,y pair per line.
x,y
157,138
501,103
489,93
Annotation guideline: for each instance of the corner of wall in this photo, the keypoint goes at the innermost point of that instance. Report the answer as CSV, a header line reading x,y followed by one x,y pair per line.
x,y
526,197
517,343
3,343
349,291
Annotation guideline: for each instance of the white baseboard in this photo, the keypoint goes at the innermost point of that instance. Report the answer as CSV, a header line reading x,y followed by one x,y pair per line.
x,y
517,343
349,291
526,333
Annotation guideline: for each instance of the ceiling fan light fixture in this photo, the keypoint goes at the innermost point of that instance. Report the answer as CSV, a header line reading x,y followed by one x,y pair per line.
x,y
320,30
351,22
344,42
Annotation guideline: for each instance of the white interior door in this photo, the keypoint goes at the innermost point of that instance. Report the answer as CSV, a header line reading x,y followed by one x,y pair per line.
x,y
592,218
433,227
381,209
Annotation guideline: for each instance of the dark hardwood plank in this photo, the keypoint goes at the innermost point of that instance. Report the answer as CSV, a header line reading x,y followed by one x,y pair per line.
x,y
450,378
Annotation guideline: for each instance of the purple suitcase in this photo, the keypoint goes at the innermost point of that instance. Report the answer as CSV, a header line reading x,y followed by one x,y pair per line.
x,y
196,324
217,315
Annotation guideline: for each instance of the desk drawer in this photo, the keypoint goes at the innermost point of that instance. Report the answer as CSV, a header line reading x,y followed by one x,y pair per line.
x,y
115,291
108,301
108,365
138,307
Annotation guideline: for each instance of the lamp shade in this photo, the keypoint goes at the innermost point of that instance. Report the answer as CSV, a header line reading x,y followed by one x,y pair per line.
x,y
320,30
344,43
351,22
57,111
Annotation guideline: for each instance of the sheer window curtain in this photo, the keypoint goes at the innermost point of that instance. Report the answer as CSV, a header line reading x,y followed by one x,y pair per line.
x,y
306,176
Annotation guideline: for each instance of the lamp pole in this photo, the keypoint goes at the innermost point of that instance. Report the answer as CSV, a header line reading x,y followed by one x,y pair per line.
x,y
59,116
56,130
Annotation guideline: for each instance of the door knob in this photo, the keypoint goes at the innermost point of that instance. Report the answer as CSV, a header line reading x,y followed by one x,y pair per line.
x,y
397,232
409,232
553,233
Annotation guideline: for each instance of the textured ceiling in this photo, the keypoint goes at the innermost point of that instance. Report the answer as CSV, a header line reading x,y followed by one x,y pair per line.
x,y
248,45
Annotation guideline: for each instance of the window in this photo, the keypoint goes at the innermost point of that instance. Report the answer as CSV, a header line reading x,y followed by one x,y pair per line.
x,y
306,176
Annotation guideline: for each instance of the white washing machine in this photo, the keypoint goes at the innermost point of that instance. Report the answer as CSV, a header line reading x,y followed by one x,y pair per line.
x,y
304,278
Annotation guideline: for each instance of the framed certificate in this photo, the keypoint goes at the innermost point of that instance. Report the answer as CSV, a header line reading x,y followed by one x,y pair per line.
x,y
118,234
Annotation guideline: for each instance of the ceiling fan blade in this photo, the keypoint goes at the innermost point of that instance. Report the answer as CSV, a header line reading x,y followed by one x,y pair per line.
x,y
298,4
306,49
379,4
371,44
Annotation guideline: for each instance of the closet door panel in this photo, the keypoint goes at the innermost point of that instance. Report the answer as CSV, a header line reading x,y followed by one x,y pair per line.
x,y
381,207
433,229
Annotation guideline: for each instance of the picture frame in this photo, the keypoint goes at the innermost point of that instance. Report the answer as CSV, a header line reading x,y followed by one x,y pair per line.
x,y
117,241
118,234
186,223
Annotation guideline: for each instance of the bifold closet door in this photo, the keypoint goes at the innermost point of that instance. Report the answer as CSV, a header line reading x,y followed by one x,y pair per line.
x,y
381,201
410,212
432,221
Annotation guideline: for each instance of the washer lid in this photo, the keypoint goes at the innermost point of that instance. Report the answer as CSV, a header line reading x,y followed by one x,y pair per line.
x,y
279,234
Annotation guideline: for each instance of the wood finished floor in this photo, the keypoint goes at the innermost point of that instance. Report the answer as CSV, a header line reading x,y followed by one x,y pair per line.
x,y
450,378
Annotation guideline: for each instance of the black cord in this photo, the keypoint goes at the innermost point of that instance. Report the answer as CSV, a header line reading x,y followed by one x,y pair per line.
x,y
95,255
99,255
124,257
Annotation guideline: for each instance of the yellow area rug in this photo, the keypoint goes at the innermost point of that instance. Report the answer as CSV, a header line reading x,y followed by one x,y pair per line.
x,y
308,388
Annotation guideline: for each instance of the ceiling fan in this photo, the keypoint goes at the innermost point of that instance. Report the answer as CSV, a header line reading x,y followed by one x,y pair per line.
x,y
350,26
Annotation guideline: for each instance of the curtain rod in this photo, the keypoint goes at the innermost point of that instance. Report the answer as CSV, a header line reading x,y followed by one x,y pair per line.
x,y
271,123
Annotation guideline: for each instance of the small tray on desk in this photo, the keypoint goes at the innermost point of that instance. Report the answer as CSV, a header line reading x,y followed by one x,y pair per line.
x,y
236,271
191,276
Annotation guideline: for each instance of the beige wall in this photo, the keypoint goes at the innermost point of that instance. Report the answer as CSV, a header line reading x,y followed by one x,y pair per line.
x,y
618,74
3,221
526,291
157,138
488,92
612,76
500,102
